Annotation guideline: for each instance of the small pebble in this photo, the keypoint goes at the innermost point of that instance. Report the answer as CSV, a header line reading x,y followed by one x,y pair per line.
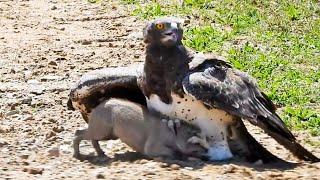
x,y
86,42
24,156
143,161
25,163
26,118
146,173
54,152
274,174
27,74
100,176
3,143
260,177
164,165
57,129
188,168
37,91
26,100
53,63
52,120
13,112
174,167
50,134
32,170
229,169
33,81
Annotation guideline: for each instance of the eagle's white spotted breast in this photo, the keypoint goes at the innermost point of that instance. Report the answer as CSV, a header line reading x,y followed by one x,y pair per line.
x,y
213,122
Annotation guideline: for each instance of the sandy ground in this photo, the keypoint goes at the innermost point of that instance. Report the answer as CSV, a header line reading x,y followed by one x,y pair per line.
x,y
45,46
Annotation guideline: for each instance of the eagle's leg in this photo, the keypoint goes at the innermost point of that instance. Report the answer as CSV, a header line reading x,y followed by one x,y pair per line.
x,y
242,144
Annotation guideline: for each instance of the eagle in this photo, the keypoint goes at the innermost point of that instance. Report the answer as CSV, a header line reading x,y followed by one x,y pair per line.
x,y
201,89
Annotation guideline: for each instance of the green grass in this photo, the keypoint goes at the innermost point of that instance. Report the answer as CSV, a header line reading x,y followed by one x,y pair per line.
x,y
101,2
130,1
277,42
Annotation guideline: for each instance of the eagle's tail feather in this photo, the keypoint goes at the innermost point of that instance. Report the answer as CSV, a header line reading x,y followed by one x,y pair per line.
x,y
283,136
294,147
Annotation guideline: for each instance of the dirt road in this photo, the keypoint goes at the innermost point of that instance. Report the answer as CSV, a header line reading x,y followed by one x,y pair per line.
x,y
45,46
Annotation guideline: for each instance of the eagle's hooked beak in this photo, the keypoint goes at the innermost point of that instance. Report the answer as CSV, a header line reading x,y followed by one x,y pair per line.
x,y
170,37
173,32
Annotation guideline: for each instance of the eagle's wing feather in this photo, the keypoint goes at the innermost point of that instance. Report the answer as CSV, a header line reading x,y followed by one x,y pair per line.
x,y
220,86
99,85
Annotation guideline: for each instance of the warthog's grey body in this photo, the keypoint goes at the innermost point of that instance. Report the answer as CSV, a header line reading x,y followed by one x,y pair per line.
x,y
138,128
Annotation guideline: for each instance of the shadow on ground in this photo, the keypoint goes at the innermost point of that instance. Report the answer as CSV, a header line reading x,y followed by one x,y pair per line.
x,y
130,156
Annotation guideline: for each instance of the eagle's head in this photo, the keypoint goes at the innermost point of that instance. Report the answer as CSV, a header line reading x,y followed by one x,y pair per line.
x,y
165,32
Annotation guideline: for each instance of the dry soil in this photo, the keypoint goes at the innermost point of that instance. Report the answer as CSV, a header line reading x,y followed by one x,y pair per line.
x,y
45,46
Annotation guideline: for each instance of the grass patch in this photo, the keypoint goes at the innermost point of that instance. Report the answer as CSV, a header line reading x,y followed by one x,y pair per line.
x,y
303,119
101,2
277,42
205,38
150,11
130,1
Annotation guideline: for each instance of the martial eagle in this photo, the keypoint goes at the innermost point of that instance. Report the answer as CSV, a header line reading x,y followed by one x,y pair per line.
x,y
202,89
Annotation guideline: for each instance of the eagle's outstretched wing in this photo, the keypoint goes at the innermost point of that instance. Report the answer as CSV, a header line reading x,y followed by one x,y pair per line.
x,y
218,85
99,85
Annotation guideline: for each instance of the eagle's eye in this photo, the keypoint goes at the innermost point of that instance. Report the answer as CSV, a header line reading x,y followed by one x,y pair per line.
x,y
160,26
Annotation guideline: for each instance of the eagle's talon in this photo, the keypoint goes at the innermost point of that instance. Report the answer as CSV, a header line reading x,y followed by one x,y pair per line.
x,y
177,123
164,120
199,140
193,140
173,125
